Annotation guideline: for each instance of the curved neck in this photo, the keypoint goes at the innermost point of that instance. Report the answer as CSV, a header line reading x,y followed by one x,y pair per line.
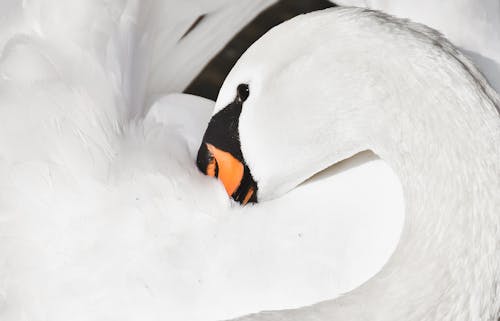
x,y
447,262
446,159
446,265
433,118
445,147
448,163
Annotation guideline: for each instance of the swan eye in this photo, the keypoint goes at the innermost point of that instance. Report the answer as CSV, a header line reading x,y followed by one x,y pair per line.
x,y
242,92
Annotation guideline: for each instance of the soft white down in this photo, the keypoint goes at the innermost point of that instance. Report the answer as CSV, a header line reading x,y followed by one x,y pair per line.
x,y
103,214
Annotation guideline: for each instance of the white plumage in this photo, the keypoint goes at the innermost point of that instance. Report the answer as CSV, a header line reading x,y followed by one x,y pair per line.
x,y
327,85
103,214
473,26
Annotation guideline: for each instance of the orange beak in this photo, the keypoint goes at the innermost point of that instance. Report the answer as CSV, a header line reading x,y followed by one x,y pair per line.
x,y
220,152
228,169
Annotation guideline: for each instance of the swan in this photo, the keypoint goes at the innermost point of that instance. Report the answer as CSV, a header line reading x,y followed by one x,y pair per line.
x,y
103,213
324,86
473,26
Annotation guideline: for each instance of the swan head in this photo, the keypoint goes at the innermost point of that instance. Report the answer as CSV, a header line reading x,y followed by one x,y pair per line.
x,y
291,107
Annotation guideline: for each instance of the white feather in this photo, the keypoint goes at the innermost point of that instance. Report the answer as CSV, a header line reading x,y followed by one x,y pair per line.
x,y
474,26
103,214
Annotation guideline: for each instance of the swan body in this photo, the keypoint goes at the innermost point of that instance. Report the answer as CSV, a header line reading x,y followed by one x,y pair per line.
x,y
103,214
325,86
473,26
155,240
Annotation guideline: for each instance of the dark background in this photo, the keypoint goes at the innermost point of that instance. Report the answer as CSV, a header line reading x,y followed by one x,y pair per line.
x,y
210,79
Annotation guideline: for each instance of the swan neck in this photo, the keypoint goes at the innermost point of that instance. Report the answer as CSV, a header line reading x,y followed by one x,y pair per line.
x,y
448,164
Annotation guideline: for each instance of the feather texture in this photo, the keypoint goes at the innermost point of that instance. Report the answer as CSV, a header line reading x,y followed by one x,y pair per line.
x,y
103,214
474,26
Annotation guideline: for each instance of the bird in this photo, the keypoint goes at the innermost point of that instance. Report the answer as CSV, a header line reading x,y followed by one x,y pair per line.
x,y
324,86
103,212
472,26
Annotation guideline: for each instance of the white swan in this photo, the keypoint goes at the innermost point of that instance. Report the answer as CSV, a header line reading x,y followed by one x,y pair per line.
x,y
325,86
103,214
473,26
